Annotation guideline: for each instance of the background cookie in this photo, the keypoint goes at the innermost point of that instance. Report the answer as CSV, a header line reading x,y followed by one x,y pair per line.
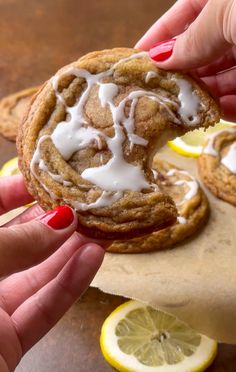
x,y
90,135
217,164
12,110
192,206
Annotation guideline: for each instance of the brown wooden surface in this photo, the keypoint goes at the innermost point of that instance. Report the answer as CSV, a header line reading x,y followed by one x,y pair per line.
x,y
36,38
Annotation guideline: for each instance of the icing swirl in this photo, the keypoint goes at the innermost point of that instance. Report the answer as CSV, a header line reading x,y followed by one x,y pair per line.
x,y
75,133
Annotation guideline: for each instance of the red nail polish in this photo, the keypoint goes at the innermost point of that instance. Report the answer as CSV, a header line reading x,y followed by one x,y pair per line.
x,y
162,51
59,218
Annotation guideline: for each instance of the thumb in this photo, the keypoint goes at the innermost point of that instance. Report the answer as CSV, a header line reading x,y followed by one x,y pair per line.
x,y
27,244
206,39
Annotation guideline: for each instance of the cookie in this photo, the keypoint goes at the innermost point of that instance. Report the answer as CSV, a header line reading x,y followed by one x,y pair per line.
x,y
217,164
12,109
192,205
91,132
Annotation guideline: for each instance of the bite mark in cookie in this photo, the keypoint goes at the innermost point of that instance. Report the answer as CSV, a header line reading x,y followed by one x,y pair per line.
x,y
192,205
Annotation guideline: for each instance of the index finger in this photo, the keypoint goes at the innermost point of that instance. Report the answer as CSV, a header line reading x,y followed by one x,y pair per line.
x,y
172,23
13,193
33,319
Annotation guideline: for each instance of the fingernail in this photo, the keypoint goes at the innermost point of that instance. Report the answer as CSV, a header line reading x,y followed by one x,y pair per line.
x,y
160,52
59,218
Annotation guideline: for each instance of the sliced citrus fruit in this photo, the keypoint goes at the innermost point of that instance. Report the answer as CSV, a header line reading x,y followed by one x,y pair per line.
x,y
192,142
137,338
10,168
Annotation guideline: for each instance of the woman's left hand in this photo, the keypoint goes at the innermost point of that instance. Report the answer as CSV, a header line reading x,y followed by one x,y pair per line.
x,y
34,299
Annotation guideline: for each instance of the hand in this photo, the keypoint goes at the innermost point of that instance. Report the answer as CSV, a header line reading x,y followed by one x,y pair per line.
x,y
33,300
199,37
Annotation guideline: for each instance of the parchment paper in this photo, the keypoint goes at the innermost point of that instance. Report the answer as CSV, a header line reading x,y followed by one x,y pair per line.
x,y
195,281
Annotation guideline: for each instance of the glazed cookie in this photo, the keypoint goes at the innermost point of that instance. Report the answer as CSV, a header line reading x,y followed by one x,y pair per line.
x,y
217,164
91,132
12,109
192,205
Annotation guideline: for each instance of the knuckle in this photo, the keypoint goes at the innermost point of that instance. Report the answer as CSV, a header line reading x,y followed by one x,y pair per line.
x,y
43,310
227,14
27,241
192,46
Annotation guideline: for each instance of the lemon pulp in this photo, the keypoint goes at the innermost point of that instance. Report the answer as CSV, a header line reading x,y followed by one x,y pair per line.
x,y
138,338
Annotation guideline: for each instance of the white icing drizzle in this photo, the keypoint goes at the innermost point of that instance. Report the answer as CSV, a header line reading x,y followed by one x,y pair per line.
x,y
42,166
155,173
36,157
115,175
129,126
75,133
106,198
107,92
69,139
182,220
56,177
193,185
209,148
66,183
133,56
189,102
50,193
229,161
150,75
171,172
192,189
36,160
101,158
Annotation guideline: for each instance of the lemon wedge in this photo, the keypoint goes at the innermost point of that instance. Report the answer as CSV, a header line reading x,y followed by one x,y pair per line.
x,y
191,143
10,168
137,338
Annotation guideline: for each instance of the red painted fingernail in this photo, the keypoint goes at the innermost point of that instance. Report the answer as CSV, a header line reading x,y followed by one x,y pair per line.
x,y
59,218
162,51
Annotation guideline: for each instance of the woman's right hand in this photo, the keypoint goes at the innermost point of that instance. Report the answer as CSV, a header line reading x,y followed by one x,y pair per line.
x,y
199,36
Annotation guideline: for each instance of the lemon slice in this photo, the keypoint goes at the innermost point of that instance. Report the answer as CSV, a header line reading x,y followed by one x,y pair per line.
x,y
192,142
137,338
10,168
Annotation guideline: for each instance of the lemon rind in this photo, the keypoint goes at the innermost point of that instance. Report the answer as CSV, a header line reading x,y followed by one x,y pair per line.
x,y
9,165
111,358
182,148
